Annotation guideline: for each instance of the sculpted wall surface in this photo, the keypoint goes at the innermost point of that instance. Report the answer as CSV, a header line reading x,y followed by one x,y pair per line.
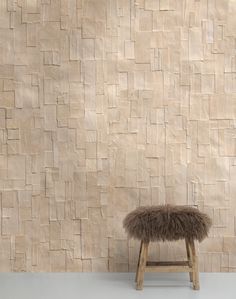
x,y
106,105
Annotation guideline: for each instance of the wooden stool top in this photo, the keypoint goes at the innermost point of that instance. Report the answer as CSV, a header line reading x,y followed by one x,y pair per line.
x,y
167,223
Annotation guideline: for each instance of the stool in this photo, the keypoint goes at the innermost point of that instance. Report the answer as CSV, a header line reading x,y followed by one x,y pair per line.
x,y
167,223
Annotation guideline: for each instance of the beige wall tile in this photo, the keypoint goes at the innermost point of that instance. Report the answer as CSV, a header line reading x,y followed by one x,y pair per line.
x,y
107,105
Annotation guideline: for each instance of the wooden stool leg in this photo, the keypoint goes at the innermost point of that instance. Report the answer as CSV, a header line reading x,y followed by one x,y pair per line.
x,y
196,285
189,259
136,277
142,265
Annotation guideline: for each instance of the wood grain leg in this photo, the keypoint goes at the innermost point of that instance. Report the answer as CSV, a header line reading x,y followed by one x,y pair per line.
x,y
189,258
196,285
136,277
142,265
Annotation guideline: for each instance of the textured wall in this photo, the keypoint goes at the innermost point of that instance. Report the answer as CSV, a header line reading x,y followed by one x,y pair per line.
x,y
106,105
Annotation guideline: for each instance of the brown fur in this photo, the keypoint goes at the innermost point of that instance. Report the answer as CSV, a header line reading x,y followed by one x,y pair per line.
x,y
154,223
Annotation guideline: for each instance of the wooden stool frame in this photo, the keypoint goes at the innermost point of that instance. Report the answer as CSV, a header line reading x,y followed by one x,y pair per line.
x,y
191,265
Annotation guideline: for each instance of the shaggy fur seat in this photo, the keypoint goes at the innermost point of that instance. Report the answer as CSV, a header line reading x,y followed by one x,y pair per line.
x,y
154,223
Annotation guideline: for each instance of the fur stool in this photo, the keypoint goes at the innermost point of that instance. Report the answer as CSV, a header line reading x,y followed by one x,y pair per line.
x,y
167,223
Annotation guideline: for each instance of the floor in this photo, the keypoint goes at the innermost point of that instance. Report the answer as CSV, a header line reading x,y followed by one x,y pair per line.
x,y
114,285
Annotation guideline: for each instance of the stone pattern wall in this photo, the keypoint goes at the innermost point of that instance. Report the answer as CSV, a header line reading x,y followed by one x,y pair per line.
x,y
106,105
